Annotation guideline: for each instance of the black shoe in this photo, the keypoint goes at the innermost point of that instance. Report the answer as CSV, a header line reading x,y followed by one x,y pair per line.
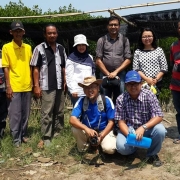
x,y
154,160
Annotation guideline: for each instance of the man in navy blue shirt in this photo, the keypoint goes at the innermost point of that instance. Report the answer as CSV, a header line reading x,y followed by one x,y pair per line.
x,y
3,101
96,118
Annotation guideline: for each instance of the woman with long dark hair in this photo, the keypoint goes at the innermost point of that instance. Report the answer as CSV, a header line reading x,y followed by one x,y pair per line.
x,y
149,59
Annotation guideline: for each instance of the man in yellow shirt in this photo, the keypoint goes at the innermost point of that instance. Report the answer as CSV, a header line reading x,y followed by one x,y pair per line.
x,y
16,57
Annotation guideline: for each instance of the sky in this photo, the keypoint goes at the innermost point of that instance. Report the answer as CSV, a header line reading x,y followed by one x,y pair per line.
x,y
93,5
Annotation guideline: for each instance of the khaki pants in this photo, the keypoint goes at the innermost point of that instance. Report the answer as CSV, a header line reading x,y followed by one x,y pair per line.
x,y
52,112
108,144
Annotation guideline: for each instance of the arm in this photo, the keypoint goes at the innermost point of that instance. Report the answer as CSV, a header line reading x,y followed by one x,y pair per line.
x,y
9,91
106,131
101,66
163,66
37,89
123,66
127,58
77,124
156,115
69,77
64,79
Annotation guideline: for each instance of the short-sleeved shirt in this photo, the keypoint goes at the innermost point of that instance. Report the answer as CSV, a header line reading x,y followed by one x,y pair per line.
x,y
113,52
17,59
137,112
93,118
174,60
50,64
150,62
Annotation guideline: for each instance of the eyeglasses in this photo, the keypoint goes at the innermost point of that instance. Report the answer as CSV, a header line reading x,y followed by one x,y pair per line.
x,y
111,25
147,37
132,84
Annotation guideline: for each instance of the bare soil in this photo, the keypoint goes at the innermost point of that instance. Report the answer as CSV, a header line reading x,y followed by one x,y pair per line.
x,y
115,166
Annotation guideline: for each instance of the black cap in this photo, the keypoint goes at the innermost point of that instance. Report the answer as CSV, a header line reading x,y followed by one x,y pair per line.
x,y
17,25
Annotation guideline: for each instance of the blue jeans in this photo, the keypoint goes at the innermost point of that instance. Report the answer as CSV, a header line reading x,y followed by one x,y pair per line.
x,y
157,134
176,102
115,92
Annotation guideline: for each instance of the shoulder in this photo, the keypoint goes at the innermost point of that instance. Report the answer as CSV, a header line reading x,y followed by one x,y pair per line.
x,y
146,93
109,102
137,51
159,49
7,44
60,46
79,102
175,43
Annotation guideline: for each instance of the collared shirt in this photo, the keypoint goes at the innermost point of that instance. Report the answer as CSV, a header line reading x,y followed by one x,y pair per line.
x,y
175,60
137,112
92,118
50,64
150,62
113,52
17,59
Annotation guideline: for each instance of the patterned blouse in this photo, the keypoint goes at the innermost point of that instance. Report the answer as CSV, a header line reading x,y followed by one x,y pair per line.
x,y
150,62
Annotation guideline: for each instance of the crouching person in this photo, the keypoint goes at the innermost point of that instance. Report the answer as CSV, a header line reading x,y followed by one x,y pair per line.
x,y
139,108
93,118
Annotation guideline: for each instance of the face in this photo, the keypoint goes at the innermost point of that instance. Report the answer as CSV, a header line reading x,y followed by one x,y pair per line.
x,y
178,29
51,34
81,48
147,38
113,27
91,91
133,88
17,34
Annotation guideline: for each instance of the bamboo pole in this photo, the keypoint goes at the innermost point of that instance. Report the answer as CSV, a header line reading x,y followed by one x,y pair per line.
x,y
96,11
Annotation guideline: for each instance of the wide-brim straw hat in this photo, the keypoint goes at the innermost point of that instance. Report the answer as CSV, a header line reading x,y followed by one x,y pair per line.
x,y
90,80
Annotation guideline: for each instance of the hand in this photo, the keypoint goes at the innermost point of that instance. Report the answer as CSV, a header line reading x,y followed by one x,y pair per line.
x,y
75,95
155,81
91,132
139,133
150,81
9,92
37,91
112,74
65,87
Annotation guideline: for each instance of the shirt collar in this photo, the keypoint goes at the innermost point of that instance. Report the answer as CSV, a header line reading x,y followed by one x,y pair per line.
x,y
109,38
16,46
140,97
46,45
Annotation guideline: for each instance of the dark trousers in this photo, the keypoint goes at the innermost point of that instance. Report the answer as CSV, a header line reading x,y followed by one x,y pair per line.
x,y
19,110
3,113
176,102
114,92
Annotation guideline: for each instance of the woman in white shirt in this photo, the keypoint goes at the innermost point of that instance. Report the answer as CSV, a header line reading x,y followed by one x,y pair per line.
x,y
79,65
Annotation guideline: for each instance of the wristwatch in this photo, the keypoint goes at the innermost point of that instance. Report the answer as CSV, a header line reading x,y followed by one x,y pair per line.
x,y
145,127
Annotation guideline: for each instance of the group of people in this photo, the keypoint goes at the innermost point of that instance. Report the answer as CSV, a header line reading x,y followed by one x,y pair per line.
x,y
48,70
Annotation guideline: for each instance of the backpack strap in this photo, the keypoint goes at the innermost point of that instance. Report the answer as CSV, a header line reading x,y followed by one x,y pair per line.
x,y
101,102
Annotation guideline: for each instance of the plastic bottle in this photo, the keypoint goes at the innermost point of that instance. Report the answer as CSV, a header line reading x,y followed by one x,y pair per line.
x,y
131,130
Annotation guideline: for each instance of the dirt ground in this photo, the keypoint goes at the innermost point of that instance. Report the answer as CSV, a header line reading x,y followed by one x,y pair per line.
x,y
115,166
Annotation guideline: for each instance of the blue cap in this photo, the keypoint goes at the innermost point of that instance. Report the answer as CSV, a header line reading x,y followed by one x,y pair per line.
x,y
132,76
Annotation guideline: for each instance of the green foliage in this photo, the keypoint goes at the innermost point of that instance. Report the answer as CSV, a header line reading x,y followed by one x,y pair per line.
x,y
164,96
19,9
61,147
